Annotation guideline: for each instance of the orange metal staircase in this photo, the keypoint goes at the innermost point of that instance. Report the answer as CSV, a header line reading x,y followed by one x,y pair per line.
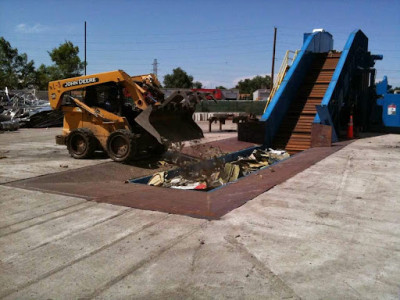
x,y
294,133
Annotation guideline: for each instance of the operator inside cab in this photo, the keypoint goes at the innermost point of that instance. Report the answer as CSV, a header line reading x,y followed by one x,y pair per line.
x,y
106,96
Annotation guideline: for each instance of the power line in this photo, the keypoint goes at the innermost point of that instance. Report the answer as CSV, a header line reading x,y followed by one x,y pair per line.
x,y
135,33
169,41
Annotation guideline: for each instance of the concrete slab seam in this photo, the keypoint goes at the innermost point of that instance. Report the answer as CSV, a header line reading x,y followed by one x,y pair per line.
x,y
60,268
85,205
71,233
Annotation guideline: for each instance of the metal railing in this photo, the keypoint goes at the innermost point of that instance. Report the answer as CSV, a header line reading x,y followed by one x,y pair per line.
x,y
289,58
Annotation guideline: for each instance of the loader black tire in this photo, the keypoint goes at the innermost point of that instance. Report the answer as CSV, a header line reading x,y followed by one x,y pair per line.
x,y
81,143
160,149
121,145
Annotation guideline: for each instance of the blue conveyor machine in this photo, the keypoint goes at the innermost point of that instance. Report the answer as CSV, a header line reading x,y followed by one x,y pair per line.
x,y
389,105
323,87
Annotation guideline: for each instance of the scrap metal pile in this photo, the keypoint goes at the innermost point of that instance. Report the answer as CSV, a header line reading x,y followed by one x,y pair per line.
x,y
218,173
24,109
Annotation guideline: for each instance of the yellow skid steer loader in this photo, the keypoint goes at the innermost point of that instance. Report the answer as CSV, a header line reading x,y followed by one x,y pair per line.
x,y
127,117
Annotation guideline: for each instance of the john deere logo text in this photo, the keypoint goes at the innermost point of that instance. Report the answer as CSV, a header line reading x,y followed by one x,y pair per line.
x,y
81,82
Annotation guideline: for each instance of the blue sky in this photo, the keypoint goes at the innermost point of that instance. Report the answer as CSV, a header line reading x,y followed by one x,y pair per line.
x,y
217,42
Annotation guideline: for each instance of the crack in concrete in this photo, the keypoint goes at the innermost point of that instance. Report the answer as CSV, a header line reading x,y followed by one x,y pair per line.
x,y
276,282
353,289
142,263
346,171
195,256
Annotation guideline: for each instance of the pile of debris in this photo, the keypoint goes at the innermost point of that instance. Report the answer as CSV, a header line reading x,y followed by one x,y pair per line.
x,y
24,109
217,173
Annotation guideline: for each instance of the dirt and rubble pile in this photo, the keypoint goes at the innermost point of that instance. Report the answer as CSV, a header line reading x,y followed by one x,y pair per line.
x,y
217,172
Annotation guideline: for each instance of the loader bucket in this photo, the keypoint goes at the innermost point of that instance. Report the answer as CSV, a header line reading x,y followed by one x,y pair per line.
x,y
172,120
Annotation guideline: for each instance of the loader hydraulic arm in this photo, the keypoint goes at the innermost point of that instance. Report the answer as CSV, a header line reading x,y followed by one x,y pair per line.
x,y
92,111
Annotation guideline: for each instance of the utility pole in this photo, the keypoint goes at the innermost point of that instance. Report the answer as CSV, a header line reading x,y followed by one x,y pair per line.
x,y
155,65
273,60
85,47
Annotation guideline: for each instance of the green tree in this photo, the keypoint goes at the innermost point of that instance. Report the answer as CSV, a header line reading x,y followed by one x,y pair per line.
x,y
220,87
44,74
16,71
178,79
66,64
248,86
197,85
67,61
392,89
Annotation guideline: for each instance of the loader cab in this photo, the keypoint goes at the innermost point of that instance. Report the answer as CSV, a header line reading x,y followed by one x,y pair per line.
x,y
107,96
111,97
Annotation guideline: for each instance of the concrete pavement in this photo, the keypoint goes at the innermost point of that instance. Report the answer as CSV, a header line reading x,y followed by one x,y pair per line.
x,y
332,231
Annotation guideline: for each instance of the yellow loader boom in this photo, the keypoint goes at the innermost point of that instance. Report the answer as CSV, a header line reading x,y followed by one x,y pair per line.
x,y
125,116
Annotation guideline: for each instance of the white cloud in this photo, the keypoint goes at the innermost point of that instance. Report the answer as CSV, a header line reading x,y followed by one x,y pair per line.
x,y
207,84
24,28
212,84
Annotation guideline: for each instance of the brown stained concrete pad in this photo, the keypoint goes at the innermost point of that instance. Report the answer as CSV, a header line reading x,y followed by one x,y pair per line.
x,y
105,183
104,179
30,153
89,182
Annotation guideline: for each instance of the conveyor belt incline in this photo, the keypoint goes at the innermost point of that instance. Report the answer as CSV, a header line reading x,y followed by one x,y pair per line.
x,y
294,133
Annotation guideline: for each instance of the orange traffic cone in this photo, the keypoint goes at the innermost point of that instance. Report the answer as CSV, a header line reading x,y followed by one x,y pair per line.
x,y
350,134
